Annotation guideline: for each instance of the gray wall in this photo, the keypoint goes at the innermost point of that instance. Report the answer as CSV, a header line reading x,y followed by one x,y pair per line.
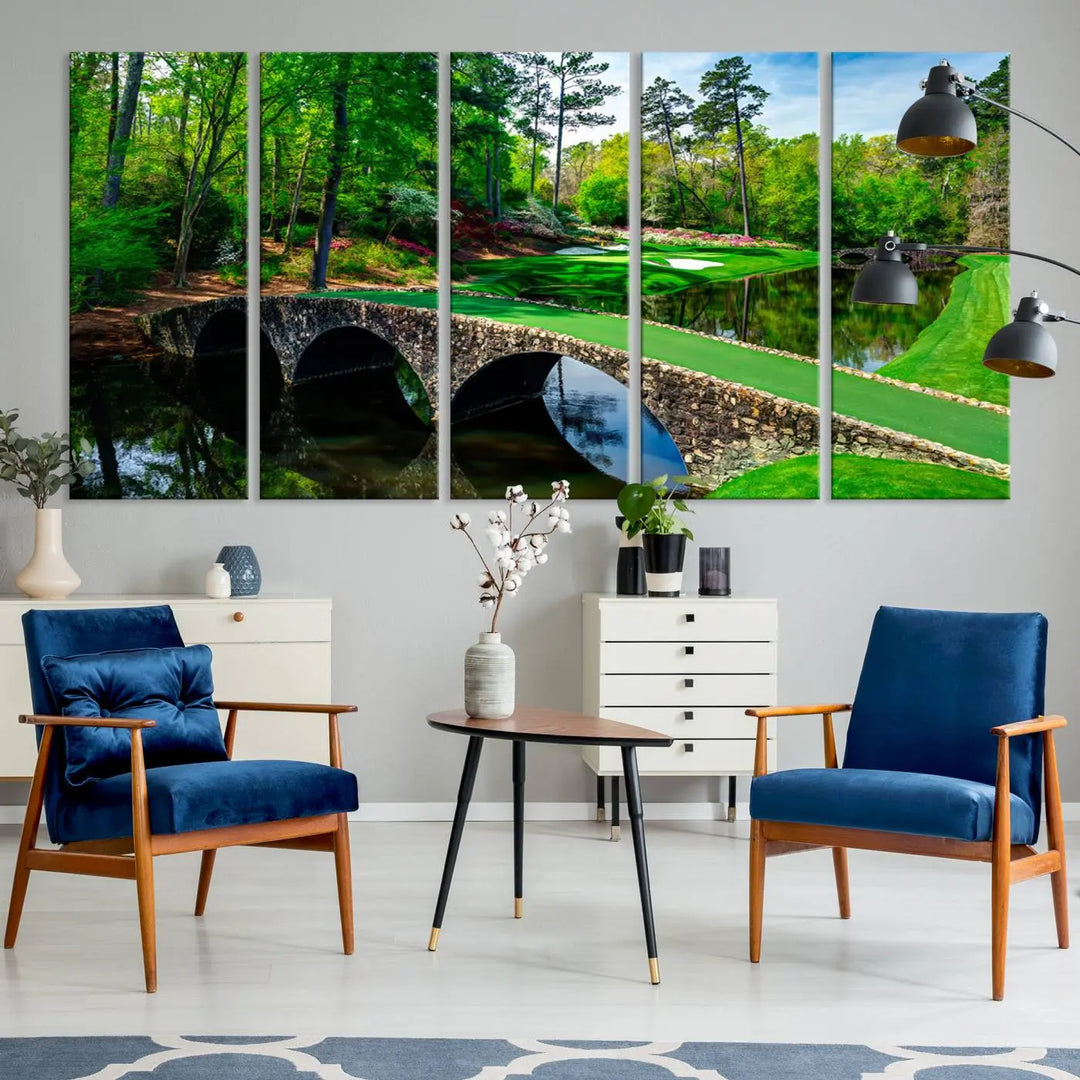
x,y
402,584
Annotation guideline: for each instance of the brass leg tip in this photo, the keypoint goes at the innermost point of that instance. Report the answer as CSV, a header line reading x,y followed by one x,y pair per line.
x,y
433,940
616,832
519,907
654,971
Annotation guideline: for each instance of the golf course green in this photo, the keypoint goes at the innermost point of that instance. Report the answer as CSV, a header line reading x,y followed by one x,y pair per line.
x,y
862,478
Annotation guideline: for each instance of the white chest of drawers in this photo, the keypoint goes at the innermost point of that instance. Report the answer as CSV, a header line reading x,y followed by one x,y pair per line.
x,y
266,648
687,666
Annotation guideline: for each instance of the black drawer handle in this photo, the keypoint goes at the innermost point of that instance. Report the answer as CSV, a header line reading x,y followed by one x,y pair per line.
x,y
688,650
690,616
688,748
688,683
688,715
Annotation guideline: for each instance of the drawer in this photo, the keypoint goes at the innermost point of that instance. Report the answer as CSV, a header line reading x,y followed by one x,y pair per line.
x,y
709,757
686,691
689,619
704,657
694,723
214,621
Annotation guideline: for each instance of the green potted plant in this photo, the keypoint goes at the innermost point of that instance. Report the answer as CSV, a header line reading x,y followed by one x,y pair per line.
x,y
653,509
39,468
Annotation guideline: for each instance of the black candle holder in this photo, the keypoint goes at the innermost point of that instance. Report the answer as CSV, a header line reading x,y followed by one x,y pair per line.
x,y
714,571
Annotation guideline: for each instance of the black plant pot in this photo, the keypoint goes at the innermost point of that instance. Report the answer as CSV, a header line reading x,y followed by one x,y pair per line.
x,y
664,555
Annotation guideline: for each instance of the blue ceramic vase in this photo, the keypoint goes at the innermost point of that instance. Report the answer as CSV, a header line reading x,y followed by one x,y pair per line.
x,y
243,568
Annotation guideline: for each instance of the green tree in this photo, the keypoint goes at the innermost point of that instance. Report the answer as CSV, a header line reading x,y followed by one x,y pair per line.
x,y
665,109
730,100
536,107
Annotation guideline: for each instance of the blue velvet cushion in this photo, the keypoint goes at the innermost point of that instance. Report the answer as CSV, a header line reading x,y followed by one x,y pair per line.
x,y
173,687
60,632
933,683
210,795
902,802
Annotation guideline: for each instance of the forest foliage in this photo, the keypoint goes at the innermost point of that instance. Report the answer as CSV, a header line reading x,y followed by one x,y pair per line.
x,y
349,149
961,200
158,152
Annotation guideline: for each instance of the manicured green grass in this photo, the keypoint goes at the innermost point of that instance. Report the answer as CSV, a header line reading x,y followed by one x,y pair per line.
x,y
856,477
963,427
602,280
947,355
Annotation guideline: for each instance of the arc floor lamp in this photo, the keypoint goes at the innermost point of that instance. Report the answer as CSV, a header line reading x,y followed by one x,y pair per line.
x,y
941,124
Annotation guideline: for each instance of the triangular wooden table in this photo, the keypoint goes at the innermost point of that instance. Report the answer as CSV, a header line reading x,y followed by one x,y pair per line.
x,y
525,725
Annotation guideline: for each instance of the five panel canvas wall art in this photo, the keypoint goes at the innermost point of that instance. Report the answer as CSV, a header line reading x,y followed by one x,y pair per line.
x,y
540,263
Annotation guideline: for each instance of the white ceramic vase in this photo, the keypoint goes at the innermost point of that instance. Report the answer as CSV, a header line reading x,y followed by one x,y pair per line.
x,y
48,575
489,678
218,582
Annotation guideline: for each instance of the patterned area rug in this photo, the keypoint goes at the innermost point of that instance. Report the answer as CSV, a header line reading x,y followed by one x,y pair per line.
x,y
296,1058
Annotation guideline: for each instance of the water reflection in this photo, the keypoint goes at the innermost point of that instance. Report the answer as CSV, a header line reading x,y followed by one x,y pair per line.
x,y
868,336
162,427
573,425
778,311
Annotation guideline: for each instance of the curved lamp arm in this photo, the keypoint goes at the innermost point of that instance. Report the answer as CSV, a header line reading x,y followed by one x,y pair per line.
x,y
971,91
890,243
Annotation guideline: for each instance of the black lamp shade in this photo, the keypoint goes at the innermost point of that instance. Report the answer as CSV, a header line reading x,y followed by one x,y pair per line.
x,y
939,124
885,281
1023,349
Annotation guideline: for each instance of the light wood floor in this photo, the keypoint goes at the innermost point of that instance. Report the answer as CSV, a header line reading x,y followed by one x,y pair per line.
x,y
911,967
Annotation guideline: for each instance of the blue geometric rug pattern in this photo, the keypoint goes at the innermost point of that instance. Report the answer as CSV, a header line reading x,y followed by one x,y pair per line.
x,y
276,1057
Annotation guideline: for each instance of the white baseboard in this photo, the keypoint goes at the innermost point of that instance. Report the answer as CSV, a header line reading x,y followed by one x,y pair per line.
x,y
539,811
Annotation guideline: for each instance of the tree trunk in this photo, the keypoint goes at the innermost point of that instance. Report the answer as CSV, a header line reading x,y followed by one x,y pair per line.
x,y
185,111
739,153
118,149
535,140
114,99
294,209
558,140
498,184
675,170
338,148
489,194
274,226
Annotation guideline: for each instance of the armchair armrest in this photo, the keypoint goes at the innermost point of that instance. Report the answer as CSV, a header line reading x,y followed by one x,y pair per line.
x,y
1029,727
797,710
87,721
763,715
285,707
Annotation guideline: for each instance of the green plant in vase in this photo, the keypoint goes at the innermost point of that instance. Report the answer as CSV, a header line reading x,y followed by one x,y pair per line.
x,y
653,509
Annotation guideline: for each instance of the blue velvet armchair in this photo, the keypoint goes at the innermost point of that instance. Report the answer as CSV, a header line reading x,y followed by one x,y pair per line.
x,y
132,763
947,747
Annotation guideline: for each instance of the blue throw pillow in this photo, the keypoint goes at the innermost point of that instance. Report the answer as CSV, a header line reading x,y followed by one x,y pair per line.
x,y
172,686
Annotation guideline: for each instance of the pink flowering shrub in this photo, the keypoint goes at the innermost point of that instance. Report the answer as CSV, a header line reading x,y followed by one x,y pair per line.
x,y
416,249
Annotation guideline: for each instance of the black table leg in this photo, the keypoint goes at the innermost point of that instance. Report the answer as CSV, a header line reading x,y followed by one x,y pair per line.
x,y
465,789
519,825
731,798
599,798
616,831
637,827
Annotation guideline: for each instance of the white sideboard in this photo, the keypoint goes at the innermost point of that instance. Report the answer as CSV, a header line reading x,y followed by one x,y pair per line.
x,y
266,648
687,666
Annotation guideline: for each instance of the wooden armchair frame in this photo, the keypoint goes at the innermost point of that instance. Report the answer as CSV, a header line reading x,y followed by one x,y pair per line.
x,y
1010,863
132,857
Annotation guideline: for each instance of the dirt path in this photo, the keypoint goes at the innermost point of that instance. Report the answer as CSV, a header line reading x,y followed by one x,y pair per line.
x,y
106,331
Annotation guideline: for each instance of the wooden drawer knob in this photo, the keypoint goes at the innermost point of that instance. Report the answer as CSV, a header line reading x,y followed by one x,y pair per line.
x,y
238,616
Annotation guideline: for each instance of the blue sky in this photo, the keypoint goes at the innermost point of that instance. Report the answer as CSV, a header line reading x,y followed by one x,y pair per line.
x,y
871,91
791,78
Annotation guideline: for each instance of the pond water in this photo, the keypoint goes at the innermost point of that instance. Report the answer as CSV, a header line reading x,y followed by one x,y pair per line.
x,y
353,435
868,336
162,427
779,311
576,428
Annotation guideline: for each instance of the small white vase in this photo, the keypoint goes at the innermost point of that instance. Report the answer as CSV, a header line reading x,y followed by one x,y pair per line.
x,y
48,576
489,678
218,582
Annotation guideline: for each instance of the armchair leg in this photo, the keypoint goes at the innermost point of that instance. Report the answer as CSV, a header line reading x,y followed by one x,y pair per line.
x,y
1055,835
144,861
1000,871
843,893
343,866
757,887
206,871
27,840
